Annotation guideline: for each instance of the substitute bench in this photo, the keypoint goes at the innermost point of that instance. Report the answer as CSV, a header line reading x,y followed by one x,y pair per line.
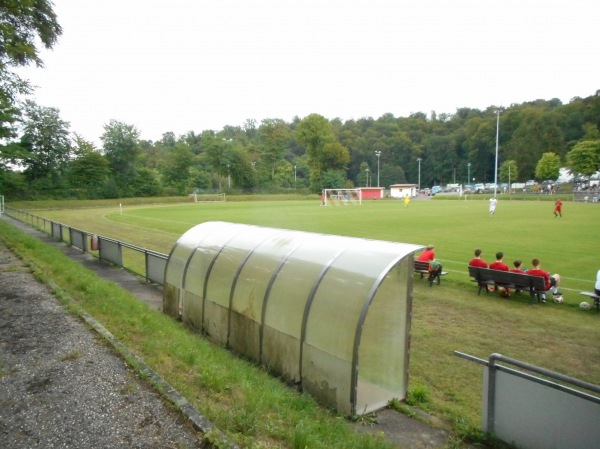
x,y
595,297
535,285
422,267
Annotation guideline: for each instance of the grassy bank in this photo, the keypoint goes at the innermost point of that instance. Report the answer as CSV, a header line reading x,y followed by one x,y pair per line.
x,y
253,408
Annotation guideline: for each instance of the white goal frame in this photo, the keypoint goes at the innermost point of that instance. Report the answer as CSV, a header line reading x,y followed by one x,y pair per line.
x,y
342,197
208,197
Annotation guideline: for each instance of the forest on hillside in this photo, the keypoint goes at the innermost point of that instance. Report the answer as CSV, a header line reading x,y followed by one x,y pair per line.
x,y
307,154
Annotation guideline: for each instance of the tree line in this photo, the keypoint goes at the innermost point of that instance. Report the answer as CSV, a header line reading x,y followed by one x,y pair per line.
x,y
41,157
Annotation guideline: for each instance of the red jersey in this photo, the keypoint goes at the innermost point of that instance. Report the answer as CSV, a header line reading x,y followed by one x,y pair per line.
x,y
558,205
543,274
426,255
478,263
498,265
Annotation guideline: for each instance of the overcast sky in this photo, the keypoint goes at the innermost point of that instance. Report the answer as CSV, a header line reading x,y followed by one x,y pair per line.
x,y
192,65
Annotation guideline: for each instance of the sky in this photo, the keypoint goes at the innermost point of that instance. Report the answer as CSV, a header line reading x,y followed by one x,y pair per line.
x,y
192,65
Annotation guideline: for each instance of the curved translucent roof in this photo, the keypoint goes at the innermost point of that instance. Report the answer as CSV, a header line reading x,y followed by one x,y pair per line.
x,y
313,307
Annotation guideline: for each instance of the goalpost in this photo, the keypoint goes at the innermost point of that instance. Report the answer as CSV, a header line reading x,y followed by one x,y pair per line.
x,y
342,197
1,204
208,197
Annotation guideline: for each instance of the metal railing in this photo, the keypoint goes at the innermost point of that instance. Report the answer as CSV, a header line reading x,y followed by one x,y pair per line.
x,y
141,261
533,412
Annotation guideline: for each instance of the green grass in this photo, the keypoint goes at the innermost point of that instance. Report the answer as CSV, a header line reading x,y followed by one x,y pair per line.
x,y
445,319
521,229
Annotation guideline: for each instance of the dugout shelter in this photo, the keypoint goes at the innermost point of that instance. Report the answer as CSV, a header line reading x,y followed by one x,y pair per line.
x,y
328,313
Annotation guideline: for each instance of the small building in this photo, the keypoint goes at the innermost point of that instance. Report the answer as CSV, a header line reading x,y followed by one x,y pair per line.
x,y
401,190
372,193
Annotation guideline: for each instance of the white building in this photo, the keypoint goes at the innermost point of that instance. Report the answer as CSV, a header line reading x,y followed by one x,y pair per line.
x,y
401,190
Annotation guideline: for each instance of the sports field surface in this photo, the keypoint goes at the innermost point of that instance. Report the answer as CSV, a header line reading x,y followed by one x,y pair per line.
x,y
446,318
522,230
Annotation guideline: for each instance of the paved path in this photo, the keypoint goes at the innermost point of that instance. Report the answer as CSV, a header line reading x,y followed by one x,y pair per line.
x,y
62,387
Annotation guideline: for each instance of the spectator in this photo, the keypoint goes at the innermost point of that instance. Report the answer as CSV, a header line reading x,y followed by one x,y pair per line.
x,y
428,254
477,261
552,282
498,264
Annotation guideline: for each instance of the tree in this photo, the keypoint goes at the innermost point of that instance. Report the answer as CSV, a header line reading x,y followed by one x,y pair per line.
x,y
23,24
509,171
89,172
121,147
548,167
335,156
274,139
145,183
315,132
46,140
584,158
176,169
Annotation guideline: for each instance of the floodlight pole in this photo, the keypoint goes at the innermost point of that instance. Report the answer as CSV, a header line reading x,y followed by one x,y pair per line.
x,y
378,154
469,173
496,167
419,161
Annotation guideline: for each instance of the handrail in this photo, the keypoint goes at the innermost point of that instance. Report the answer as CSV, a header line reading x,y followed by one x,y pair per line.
x,y
29,218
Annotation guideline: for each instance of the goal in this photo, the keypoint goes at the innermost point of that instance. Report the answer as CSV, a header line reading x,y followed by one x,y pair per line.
x,y
208,197
342,197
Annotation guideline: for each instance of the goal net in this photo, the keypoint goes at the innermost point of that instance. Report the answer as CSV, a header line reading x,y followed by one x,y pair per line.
x,y
342,197
208,197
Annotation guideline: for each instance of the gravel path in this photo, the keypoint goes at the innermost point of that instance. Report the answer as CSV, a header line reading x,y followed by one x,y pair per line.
x,y
62,387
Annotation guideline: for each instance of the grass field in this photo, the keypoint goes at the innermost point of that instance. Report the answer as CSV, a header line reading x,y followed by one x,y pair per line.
x,y
446,318
521,229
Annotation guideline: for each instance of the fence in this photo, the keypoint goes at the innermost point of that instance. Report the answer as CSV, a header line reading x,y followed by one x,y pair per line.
x,y
144,262
532,412
587,196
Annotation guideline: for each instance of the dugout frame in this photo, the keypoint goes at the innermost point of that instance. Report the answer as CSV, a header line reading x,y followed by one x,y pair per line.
x,y
328,313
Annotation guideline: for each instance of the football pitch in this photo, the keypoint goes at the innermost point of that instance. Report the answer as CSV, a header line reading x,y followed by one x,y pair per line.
x,y
522,230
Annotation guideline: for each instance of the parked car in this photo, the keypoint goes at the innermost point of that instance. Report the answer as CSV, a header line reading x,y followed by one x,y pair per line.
x,y
479,188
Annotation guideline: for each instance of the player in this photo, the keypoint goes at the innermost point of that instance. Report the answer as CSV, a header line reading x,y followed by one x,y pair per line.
x,y
552,282
477,261
518,267
498,264
406,200
493,203
558,208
